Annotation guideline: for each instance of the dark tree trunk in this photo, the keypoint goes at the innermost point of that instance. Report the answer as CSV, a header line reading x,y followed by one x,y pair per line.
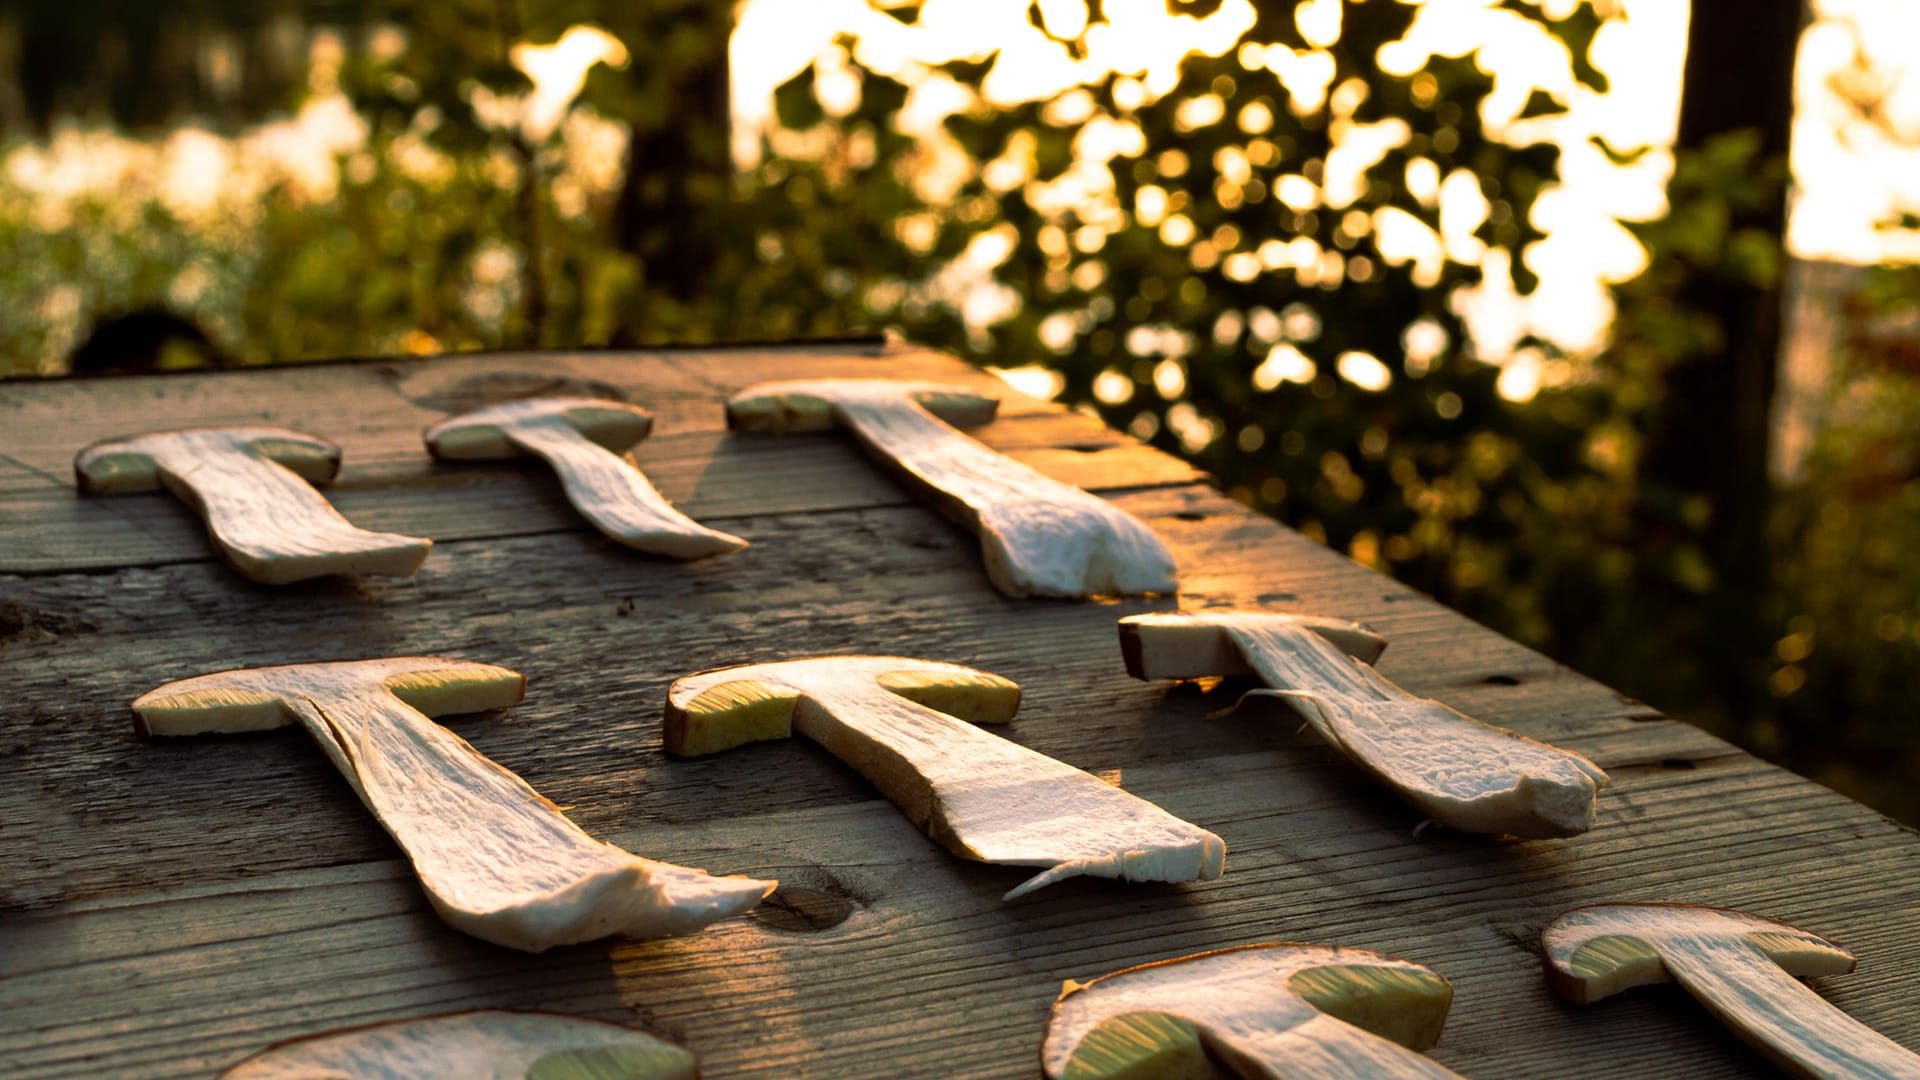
x,y
680,169
1712,434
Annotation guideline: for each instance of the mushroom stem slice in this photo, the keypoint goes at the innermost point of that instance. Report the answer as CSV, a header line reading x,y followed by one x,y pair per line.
x,y
497,860
253,487
489,1044
1742,967
1039,537
1270,1010
1461,772
983,797
584,440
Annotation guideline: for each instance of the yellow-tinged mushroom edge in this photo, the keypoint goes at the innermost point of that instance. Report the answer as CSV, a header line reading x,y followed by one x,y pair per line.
x,y
214,710
313,460
1607,964
209,704
481,434
1405,1004
807,405
1142,1046
728,715
747,709
977,697
661,1061
621,1053
465,688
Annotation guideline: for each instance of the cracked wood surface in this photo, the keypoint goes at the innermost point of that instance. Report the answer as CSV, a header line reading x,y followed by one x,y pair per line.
x,y
167,909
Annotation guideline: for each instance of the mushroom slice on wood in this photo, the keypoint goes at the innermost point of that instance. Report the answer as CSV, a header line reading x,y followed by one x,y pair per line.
x,y
907,726
1313,1012
496,859
489,1044
1741,967
1461,772
585,440
1039,537
254,488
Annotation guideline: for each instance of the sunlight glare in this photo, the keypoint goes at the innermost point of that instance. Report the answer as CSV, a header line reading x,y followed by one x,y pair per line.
x,y
1401,238
1495,314
1064,18
559,72
1284,363
1520,377
1318,21
1463,209
1032,380
1307,75
1356,148
1110,387
1364,370
1421,343
1170,379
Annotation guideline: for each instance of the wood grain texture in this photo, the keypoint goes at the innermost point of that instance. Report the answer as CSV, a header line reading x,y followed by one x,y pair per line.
x,y
167,908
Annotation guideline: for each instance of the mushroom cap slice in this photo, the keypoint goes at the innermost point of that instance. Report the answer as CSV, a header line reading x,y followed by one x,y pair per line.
x,y
1462,772
253,487
1038,536
806,405
496,858
1182,645
483,434
583,440
488,1044
1600,950
133,463
908,726
254,699
1268,1010
1742,968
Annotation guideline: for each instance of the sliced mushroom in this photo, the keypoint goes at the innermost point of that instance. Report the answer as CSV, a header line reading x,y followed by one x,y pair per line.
x,y
907,726
497,860
1039,537
488,1044
1310,1012
253,486
1461,772
1741,967
585,440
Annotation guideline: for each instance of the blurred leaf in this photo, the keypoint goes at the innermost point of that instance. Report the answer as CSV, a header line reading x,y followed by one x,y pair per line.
x,y
1541,103
1619,157
795,104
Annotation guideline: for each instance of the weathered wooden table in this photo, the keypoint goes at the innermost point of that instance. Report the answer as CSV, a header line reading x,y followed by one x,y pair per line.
x,y
167,907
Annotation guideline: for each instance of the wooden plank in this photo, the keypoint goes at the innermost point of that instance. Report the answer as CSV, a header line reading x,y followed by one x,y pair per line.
x,y
169,907
376,411
389,483
929,967
711,476
561,607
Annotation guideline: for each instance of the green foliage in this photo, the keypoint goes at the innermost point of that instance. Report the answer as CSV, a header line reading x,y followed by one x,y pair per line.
x,y
1847,609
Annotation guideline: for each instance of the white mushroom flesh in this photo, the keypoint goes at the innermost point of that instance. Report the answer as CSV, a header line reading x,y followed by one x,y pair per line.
x,y
981,796
497,860
488,1044
1307,1012
1038,536
1741,967
1463,773
266,519
581,439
